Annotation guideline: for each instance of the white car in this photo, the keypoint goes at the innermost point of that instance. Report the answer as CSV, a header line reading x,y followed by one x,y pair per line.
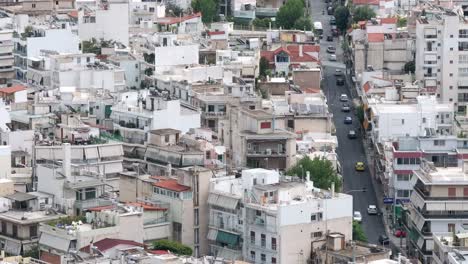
x,y
338,72
372,209
343,98
357,216
332,57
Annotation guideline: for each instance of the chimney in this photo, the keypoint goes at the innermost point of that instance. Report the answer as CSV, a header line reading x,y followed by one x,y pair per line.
x,y
66,165
301,54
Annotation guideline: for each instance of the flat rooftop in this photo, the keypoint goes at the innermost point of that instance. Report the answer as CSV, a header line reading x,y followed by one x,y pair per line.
x,y
443,176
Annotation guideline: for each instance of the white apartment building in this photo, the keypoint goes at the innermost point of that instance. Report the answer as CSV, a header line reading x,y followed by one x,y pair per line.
x,y
450,248
84,71
438,204
149,11
278,219
99,21
6,56
442,56
131,66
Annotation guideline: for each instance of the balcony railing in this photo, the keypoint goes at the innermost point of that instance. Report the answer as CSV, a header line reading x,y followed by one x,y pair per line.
x,y
430,36
430,50
213,114
84,204
427,196
266,12
430,75
269,153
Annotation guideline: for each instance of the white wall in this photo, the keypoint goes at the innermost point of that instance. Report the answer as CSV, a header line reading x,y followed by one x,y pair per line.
x,y
173,117
111,24
5,162
21,96
54,40
176,55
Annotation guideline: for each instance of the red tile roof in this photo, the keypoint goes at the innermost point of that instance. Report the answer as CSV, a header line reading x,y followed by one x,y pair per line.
x,y
172,185
175,20
366,2
108,243
375,37
13,89
147,207
211,33
293,52
388,20
73,14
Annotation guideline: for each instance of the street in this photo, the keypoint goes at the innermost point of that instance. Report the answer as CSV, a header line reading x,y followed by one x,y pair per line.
x,y
350,151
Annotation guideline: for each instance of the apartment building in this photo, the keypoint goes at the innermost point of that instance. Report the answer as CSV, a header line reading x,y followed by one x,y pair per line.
x,y
41,37
381,45
7,72
450,248
442,55
97,20
437,205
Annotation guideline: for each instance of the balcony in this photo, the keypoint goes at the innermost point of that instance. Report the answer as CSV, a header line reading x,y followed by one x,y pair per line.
x,y
430,36
213,115
426,195
266,153
430,63
245,14
430,50
85,204
430,75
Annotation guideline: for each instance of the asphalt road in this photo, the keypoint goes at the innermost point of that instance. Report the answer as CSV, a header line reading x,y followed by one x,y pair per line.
x,y
350,151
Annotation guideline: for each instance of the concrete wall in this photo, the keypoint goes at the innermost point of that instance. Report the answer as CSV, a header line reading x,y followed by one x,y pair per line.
x,y
53,41
176,55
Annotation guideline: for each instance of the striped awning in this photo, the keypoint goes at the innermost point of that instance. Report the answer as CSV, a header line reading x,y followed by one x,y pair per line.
x,y
212,234
223,201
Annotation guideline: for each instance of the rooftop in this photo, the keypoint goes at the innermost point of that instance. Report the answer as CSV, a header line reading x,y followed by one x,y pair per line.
x,y
172,185
13,89
165,131
430,175
108,243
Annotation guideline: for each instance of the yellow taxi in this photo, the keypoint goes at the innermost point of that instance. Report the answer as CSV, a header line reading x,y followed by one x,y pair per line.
x,y
360,166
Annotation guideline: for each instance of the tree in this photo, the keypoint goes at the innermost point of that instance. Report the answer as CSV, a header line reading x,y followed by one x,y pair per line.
x,y
342,18
409,67
208,8
173,10
262,22
263,65
303,23
91,46
358,232
402,21
173,246
289,13
363,13
360,113
321,170
149,71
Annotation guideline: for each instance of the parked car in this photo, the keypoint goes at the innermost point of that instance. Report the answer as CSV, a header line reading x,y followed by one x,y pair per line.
x,y
372,210
332,21
352,134
357,216
345,108
343,98
329,38
331,49
332,57
383,240
400,233
348,120
340,81
360,166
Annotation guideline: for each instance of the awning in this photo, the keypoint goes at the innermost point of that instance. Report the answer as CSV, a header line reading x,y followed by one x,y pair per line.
x,y
21,197
54,242
418,220
77,153
110,151
113,167
91,153
227,238
435,206
13,248
212,234
223,201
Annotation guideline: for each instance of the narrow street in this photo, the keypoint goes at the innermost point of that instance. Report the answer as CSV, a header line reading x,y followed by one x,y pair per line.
x,y
350,151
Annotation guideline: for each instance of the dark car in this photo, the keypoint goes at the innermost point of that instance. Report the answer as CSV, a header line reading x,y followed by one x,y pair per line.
x,y
345,108
332,21
339,81
329,38
330,11
348,120
352,134
383,240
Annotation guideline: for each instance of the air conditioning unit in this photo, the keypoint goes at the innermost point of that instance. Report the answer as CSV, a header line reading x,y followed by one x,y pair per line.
x,y
268,151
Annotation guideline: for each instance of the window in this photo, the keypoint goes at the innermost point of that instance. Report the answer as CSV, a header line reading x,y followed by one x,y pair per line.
x,y
252,255
15,231
273,243
136,66
56,2
424,120
273,260
208,154
252,237
451,61
263,240
462,71
451,36
316,234
313,217
451,228
33,6
403,193
463,59
465,192
402,121
452,192
451,74
282,58
211,108
166,138
262,257
33,231
439,142
403,177
265,125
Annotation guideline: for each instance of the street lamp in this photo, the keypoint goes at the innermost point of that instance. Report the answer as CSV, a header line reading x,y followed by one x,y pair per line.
x,y
357,190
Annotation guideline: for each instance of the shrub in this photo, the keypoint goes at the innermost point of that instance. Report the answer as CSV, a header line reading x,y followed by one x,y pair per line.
x,y
173,246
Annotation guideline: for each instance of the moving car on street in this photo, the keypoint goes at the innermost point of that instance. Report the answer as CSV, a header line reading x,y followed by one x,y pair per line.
x,y
352,134
360,166
339,81
344,98
345,108
331,49
372,210
338,72
383,240
332,57
348,120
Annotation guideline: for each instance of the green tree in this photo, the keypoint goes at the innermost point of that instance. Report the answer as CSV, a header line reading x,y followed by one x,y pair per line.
x,y
262,22
402,22
303,23
358,232
33,252
342,18
91,46
360,113
321,170
263,66
410,67
363,13
173,246
173,10
208,8
289,13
